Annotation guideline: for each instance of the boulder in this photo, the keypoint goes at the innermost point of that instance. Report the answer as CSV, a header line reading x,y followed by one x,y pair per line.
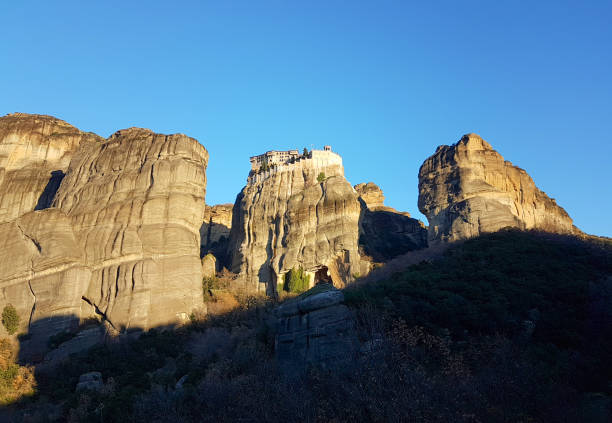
x,y
315,329
209,266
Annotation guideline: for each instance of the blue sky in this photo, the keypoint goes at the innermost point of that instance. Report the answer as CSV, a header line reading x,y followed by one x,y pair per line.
x,y
383,82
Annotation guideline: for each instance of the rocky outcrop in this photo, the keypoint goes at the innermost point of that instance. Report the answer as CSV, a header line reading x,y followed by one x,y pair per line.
x,y
136,202
35,152
120,240
371,195
468,188
385,233
215,231
209,266
288,219
315,328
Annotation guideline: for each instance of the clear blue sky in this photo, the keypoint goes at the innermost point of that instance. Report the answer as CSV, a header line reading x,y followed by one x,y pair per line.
x,y
383,82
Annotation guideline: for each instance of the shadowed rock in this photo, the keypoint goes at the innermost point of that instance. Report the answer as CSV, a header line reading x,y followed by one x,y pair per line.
x,y
315,328
385,233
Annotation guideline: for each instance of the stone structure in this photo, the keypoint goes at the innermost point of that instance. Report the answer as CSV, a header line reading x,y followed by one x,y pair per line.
x,y
286,218
321,159
385,233
315,328
468,188
120,240
272,158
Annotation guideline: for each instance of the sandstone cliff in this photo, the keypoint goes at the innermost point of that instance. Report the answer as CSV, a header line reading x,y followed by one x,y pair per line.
x,y
468,188
286,218
385,233
35,151
120,240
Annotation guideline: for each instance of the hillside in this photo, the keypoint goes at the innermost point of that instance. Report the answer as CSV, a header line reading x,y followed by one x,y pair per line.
x,y
509,326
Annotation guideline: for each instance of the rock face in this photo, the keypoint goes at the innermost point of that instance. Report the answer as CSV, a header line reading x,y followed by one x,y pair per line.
x,y
35,152
209,266
286,218
315,328
120,240
215,231
136,202
468,188
385,233
372,195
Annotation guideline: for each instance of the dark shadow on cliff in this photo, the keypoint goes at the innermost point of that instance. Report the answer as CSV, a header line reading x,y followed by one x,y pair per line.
x,y
48,195
218,248
385,234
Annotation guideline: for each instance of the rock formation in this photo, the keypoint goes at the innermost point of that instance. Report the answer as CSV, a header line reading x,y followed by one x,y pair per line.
x,y
35,152
372,196
315,328
385,233
468,188
209,266
120,240
286,218
214,233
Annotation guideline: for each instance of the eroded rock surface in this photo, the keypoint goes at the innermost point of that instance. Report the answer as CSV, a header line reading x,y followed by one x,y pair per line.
x,y
136,202
286,219
118,240
35,152
372,195
468,188
385,233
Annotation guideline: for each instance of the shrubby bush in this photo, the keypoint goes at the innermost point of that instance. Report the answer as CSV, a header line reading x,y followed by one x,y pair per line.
x,y
10,319
296,280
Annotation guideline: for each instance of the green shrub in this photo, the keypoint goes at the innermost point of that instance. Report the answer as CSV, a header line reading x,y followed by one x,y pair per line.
x,y
296,280
10,319
321,177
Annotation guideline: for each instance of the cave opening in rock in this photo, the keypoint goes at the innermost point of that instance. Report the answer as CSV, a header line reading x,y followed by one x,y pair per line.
x,y
322,276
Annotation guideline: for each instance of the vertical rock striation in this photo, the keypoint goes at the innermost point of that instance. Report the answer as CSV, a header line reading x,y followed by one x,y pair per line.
x,y
136,202
286,218
117,237
468,188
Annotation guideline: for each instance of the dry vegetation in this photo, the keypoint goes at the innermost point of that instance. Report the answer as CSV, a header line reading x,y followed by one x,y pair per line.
x,y
16,382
